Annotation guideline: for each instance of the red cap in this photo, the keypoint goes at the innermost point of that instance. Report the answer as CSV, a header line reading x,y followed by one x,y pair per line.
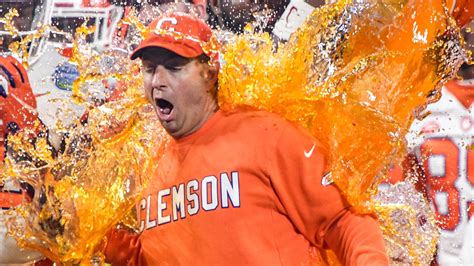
x,y
181,33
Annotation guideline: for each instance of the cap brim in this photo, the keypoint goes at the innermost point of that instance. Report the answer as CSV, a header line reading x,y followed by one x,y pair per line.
x,y
177,48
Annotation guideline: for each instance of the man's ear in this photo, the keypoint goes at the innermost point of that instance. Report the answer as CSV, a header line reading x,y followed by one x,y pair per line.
x,y
212,73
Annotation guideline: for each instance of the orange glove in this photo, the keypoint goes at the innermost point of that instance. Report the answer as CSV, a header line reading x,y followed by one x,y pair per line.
x,y
17,101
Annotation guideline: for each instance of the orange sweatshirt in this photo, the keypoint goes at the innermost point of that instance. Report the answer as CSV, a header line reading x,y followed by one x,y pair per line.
x,y
246,188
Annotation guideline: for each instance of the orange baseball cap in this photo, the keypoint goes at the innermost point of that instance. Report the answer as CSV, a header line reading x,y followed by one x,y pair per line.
x,y
181,33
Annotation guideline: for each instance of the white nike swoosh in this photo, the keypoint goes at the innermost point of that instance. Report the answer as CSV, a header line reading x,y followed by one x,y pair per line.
x,y
310,152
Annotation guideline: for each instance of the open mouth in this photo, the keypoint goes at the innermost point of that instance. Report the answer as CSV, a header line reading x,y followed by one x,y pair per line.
x,y
164,106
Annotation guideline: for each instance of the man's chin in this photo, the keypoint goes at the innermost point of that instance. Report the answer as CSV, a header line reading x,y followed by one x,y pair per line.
x,y
170,128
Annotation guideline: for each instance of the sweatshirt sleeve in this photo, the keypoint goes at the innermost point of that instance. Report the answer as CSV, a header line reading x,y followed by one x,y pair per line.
x,y
303,184
356,240
123,247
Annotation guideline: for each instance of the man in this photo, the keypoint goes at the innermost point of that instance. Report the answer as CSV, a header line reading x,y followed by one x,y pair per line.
x,y
241,187
17,112
442,164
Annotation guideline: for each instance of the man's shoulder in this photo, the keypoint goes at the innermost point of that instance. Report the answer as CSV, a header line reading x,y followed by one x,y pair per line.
x,y
261,122
258,118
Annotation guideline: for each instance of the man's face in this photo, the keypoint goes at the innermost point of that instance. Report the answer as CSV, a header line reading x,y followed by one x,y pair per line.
x,y
180,89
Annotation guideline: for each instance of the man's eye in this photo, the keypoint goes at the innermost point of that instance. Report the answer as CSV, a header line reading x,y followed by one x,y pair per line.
x,y
173,68
148,69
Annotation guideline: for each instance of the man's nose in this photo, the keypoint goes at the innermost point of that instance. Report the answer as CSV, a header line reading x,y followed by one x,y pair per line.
x,y
159,77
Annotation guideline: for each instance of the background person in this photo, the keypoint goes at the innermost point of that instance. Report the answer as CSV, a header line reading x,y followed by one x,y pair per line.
x,y
441,161
17,112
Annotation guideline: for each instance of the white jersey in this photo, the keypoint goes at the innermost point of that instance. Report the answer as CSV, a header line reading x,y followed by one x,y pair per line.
x,y
294,15
443,142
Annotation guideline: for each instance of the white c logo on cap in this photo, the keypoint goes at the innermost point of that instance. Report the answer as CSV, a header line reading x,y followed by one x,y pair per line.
x,y
4,84
160,22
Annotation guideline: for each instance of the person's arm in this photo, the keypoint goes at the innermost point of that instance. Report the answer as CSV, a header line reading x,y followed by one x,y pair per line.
x,y
356,240
315,205
122,248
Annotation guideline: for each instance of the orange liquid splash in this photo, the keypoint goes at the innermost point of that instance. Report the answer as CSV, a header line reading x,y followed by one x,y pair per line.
x,y
353,75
